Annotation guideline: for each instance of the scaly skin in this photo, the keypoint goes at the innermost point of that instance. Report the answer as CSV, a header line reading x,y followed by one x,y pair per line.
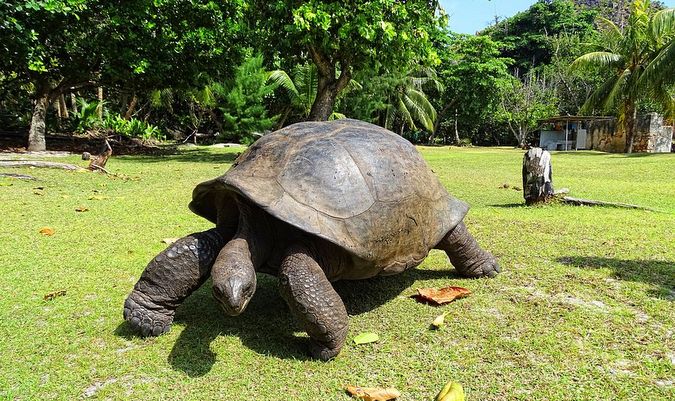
x,y
313,302
168,279
466,255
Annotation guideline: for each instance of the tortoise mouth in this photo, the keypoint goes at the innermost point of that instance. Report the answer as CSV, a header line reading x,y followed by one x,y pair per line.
x,y
233,295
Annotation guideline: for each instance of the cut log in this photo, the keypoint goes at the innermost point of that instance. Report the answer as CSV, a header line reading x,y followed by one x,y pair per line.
x,y
589,202
537,176
39,164
18,176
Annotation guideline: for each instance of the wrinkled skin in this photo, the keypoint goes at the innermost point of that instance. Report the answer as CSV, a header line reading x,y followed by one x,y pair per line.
x,y
306,266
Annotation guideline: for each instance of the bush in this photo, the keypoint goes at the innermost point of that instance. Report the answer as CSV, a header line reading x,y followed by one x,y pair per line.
x,y
132,128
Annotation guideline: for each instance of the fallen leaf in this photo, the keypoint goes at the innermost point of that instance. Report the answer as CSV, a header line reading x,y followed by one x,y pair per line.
x,y
439,321
97,197
441,296
55,294
452,391
373,394
365,338
170,241
39,188
517,189
48,231
81,209
36,192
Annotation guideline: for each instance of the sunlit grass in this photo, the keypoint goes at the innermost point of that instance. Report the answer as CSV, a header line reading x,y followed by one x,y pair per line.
x,y
583,310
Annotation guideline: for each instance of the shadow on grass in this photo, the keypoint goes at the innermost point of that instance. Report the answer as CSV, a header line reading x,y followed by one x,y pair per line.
x,y
655,272
188,156
267,326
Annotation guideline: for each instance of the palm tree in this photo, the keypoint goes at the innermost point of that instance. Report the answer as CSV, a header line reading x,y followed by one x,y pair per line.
x,y
641,59
410,103
302,90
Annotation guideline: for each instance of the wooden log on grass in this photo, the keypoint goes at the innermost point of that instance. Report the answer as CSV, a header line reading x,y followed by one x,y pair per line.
x,y
537,176
98,162
38,164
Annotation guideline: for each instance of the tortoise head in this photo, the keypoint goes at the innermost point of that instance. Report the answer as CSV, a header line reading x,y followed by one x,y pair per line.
x,y
234,280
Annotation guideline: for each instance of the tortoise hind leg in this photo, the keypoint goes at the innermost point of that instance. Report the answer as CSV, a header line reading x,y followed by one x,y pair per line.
x,y
313,302
168,279
466,255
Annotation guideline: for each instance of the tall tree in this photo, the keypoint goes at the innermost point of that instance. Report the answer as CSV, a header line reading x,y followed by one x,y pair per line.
x,y
474,76
344,37
60,45
639,64
527,36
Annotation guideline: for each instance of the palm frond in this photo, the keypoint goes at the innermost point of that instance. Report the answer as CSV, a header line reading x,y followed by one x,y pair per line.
x,y
661,70
597,60
420,108
618,90
662,25
282,79
403,110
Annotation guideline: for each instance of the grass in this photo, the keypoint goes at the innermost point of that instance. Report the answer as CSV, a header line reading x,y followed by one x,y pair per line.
x,y
583,309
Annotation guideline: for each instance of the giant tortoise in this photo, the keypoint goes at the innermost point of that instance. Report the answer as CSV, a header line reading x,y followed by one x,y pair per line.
x,y
312,203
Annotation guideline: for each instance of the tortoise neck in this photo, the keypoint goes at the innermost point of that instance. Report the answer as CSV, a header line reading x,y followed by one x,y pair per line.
x,y
254,233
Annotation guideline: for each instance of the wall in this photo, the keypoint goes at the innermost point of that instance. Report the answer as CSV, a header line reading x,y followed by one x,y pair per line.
x,y
652,136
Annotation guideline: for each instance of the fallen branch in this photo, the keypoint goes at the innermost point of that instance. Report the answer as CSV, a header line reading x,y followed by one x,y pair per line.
x,y
588,202
95,167
39,164
18,176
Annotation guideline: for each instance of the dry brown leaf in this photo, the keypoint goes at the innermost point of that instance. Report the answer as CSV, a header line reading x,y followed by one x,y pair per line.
x,y
441,296
81,209
48,231
55,294
170,241
373,394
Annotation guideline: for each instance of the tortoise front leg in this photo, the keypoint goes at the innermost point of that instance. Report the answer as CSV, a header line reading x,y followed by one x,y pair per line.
x,y
466,255
313,302
168,279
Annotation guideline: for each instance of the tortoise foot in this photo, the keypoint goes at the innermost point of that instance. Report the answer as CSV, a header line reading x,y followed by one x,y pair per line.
x,y
484,267
146,317
322,352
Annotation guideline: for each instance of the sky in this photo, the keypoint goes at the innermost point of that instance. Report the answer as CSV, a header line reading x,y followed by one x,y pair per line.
x,y
470,16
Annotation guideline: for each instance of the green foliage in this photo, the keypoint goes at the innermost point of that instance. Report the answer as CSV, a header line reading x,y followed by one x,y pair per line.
x,y
241,101
474,76
637,63
523,104
528,36
132,128
396,100
87,116
349,36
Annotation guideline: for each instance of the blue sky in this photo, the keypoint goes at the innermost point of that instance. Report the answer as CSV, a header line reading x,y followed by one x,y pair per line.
x,y
469,16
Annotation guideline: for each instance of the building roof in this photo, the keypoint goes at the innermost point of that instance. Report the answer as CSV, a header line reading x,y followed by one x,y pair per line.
x,y
575,119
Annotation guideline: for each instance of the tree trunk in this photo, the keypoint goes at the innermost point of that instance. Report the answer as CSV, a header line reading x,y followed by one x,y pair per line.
x,y
73,100
323,105
37,131
99,108
456,130
132,107
328,87
63,106
630,125
537,176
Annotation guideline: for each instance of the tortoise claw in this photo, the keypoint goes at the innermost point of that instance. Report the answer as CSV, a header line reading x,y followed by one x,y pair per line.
x,y
146,318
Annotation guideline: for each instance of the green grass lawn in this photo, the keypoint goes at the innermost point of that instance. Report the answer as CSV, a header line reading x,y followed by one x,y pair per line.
x,y
584,308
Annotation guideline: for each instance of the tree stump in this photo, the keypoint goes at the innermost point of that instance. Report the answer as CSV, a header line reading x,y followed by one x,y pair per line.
x,y
537,178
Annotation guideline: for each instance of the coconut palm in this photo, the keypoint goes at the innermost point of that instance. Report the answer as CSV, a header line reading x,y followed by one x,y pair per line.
x,y
410,103
302,89
641,59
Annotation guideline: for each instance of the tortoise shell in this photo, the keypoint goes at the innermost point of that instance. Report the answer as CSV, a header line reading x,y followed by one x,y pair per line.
x,y
352,183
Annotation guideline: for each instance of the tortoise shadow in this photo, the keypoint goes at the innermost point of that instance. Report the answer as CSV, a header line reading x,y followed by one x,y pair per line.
x,y
267,326
660,274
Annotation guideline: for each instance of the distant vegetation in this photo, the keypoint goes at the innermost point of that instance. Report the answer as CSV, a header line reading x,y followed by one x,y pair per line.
x,y
236,69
